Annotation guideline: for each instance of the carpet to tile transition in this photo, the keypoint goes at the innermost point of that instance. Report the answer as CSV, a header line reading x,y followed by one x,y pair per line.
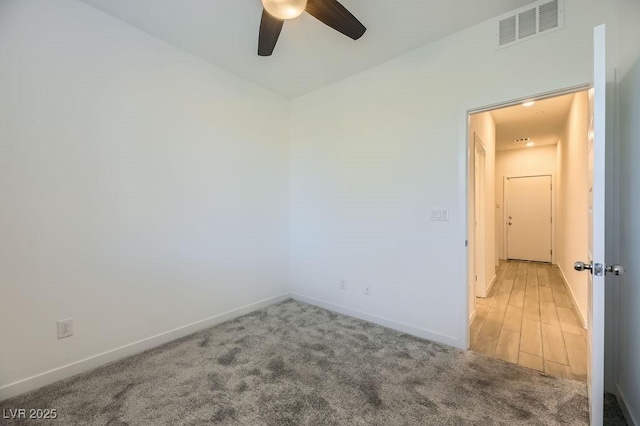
x,y
296,364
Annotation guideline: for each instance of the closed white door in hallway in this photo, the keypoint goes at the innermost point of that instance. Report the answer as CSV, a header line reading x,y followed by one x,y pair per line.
x,y
528,221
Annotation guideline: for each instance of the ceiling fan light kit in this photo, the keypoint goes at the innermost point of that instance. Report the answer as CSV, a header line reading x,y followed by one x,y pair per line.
x,y
330,12
284,9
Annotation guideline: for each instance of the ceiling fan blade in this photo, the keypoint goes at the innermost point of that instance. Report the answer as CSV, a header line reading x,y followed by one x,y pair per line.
x,y
336,16
270,28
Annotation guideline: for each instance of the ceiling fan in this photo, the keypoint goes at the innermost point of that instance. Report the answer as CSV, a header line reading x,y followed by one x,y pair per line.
x,y
330,12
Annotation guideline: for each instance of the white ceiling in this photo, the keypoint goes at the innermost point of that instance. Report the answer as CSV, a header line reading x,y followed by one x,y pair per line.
x,y
543,122
309,54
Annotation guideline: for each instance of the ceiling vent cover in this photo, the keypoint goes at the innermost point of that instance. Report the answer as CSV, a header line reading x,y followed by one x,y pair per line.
x,y
530,22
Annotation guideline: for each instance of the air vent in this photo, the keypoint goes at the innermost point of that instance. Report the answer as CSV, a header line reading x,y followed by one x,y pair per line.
x,y
508,30
548,16
527,23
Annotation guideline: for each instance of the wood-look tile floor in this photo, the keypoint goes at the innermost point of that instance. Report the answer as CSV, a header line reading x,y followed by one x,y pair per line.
x,y
528,318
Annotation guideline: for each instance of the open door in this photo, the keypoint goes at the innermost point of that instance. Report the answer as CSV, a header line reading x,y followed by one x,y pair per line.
x,y
595,264
597,122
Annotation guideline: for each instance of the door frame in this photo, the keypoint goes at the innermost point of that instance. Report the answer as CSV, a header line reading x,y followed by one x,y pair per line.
x,y
480,215
467,248
553,212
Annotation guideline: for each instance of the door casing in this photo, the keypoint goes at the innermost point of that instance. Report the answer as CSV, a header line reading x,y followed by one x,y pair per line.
x,y
480,220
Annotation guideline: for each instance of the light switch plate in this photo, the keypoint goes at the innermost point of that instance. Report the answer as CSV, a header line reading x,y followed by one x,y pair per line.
x,y
440,215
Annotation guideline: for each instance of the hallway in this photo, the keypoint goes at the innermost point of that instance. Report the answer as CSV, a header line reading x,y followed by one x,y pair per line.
x,y
528,318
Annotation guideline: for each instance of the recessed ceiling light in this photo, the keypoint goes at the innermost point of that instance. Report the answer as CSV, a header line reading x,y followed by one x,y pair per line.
x,y
529,144
528,104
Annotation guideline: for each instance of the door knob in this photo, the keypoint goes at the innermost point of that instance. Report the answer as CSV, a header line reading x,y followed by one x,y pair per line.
x,y
581,266
612,269
615,269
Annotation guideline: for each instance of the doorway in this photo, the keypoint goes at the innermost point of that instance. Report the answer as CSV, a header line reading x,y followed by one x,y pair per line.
x,y
526,185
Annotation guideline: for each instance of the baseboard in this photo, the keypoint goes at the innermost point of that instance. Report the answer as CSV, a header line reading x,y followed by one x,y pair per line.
x,y
385,322
576,306
472,317
42,379
491,283
622,401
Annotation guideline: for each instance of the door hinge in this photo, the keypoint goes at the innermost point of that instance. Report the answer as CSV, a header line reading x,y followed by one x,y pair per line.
x,y
466,243
551,251
476,278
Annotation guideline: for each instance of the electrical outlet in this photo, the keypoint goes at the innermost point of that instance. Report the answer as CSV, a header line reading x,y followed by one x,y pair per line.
x,y
343,285
65,328
367,290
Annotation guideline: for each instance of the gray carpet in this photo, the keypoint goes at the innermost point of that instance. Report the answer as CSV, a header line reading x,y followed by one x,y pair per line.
x,y
295,364
612,413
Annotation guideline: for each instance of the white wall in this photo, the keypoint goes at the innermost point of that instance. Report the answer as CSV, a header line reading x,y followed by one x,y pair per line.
x,y
628,385
572,196
521,162
141,188
484,126
372,155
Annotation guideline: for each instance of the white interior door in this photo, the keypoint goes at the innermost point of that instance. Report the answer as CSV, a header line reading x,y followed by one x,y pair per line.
x,y
596,141
528,202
